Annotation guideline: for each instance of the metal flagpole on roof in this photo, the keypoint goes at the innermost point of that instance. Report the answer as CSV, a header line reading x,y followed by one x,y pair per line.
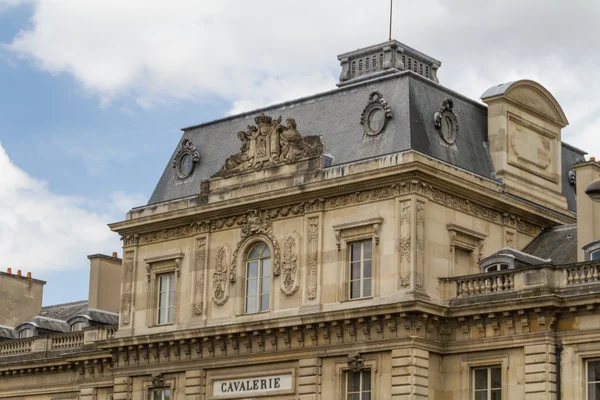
x,y
391,8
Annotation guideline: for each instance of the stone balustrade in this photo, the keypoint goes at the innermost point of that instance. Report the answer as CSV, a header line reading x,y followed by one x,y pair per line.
x,y
58,342
18,346
537,280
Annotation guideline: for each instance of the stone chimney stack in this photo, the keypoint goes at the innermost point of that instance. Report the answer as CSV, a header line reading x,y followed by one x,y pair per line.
x,y
105,282
20,298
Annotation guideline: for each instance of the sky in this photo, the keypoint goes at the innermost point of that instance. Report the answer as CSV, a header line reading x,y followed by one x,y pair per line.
x,y
93,93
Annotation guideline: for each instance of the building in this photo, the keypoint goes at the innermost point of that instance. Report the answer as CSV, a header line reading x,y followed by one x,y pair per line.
x,y
389,239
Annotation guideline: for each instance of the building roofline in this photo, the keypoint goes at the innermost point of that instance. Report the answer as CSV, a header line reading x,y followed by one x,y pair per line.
x,y
575,149
23,277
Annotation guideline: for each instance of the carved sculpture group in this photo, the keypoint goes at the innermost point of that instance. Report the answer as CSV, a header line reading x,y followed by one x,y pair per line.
x,y
269,143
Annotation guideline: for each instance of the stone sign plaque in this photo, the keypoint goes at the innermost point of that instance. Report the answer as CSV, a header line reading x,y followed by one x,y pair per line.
x,y
253,386
532,149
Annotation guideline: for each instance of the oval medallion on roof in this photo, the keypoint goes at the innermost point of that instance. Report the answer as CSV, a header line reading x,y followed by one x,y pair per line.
x,y
186,158
376,114
445,120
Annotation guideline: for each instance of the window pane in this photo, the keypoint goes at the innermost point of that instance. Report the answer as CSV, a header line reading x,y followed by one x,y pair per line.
x,y
266,267
366,380
355,252
355,271
481,379
266,252
156,395
496,378
167,394
251,304
353,381
482,395
355,289
266,285
162,300
163,283
170,315
367,271
354,396
253,269
162,315
264,302
497,394
593,391
366,396
251,287
171,299
171,282
367,249
595,255
594,371
255,252
366,288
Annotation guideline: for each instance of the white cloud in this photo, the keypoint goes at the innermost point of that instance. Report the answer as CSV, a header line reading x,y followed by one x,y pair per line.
x,y
43,231
253,53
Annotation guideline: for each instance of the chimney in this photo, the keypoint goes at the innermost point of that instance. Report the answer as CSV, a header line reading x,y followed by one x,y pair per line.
x,y
105,282
588,211
114,254
21,298
29,275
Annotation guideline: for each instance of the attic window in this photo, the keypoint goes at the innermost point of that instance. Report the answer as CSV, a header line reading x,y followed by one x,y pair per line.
x,y
367,63
374,62
592,251
26,333
185,159
360,65
78,326
497,262
496,267
381,60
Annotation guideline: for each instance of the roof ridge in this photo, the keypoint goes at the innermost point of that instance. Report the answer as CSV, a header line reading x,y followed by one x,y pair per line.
x,y
73,303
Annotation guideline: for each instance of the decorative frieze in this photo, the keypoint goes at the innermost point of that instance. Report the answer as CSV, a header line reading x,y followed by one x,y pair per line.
x,y
254,220
313,256
404,244
199,276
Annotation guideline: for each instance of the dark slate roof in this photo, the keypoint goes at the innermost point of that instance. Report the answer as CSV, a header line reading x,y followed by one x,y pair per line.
x,y
6,332
99,316
335,116
64,311
570,156
558,244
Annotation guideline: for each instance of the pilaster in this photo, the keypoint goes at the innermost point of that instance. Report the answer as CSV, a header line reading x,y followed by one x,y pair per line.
x,y
122,388
308,378
540,372
410,374
194,382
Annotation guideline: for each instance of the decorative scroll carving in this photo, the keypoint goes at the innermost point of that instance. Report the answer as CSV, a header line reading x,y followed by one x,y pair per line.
x,y
375,114
405,242
199,281
221,276
270,144
289,265
355,362
187,148
128,290
257,223
313,237
445,120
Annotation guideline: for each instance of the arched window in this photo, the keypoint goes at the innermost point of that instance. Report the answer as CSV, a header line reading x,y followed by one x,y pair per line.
x,y
78,326
258,279
26,333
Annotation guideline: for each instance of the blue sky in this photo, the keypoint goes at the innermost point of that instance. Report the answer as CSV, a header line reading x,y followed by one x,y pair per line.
x,y
93,94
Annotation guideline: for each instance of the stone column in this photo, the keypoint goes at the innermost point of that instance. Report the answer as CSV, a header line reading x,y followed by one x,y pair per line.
x,y
410,374
308,378
194,383
122,388
540,372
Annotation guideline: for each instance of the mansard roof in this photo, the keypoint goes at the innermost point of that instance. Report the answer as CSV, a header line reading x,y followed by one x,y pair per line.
x,y
336,117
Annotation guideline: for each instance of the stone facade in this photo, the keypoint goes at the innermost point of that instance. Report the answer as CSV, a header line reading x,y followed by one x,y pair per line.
x,y
424,319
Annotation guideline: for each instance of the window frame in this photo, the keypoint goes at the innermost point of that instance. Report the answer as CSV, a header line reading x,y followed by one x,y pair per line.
x,y
361,260
30,332
372,362
488,389
356,231
259,277
590,249
156,266
360,392
471,363
168,306
79,324
586,383
152,392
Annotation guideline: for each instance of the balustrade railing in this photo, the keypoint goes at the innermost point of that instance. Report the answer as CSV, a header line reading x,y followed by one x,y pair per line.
x,y
67,341
477,285
580,274
19,346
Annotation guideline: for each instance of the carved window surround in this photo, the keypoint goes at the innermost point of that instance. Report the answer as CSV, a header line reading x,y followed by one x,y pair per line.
x,y
369,361
374,223
465,238
176,257
163,382
155,266
467,366
353,231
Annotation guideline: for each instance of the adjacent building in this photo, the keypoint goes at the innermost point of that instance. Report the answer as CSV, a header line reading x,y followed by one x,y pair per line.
x,y
388,239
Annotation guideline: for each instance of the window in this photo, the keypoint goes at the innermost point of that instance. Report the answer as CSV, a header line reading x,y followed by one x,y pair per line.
x,y
166,298
593,380
258,279
159,394
595,255
358,385
26,333
496,267
487,383
592,251
361,270
77,326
